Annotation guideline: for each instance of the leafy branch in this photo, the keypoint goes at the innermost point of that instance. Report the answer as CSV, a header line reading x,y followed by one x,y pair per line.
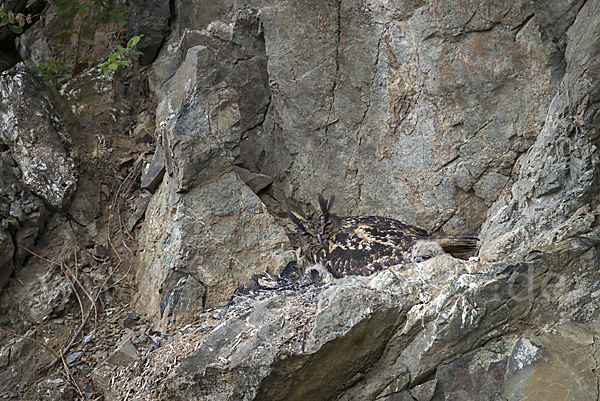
x,y
117,60
57,72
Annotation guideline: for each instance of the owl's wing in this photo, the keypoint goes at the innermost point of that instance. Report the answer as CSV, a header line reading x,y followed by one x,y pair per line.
x,y
382,230
365,245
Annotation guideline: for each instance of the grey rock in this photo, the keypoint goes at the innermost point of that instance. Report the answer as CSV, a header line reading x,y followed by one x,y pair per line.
x,y
45,295
182,303
141,204
399,327
219,234
255,181
198,102
7,250
101,377
510,367
425,391
149,18
552,181
453,117
154,172
123,355
73,357
33,44
16,210
37,140
201,118
22,219
93,97
84,206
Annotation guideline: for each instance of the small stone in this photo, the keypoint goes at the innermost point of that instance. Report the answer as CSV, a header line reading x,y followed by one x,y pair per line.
x,y
153,174
8,159
125,354
17,211
142,136
100,252
126,161
255,181
73,357
129,320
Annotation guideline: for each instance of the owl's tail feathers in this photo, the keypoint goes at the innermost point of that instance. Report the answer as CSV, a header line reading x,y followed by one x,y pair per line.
x,y
457,244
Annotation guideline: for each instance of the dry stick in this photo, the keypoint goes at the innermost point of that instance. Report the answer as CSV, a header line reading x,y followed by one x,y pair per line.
x,y
86,293
31,339
69,375
84,320
75,290
117,200
122,195
51,351
45,368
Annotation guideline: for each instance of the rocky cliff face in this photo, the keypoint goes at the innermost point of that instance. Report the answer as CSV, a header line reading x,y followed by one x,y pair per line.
x,y
477,118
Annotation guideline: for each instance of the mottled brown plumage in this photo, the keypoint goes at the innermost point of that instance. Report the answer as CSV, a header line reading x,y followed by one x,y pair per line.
x,y
364,245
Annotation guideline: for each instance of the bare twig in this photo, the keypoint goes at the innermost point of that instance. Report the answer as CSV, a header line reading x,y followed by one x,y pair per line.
x,y
70,376
123,189
92,300
40,257
74,290
30,339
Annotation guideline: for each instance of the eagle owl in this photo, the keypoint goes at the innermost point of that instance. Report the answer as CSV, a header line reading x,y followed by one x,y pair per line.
x,y
364,245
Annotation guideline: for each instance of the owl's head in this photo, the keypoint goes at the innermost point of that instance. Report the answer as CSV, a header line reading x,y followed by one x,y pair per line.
x,y
423,250
314,235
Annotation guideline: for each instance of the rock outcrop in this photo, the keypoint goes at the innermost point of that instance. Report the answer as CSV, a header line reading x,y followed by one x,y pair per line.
x,y
459,119
37,136
476,118
439,328
224,233
22,218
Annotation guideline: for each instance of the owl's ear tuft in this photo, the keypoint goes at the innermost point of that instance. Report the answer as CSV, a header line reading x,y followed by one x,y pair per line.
x,y
296,219
325,205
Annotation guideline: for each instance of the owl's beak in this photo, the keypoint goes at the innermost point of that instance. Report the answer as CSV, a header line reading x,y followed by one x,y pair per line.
x,y
319,237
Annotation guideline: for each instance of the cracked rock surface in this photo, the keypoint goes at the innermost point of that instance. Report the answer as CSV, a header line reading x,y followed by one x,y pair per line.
x,y
462,117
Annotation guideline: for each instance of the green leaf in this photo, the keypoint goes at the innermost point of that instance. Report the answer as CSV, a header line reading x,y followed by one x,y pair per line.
x,y
117,18
32,2
64,9
120,72
121,49
3,23
135,53
89,42
71,16
122,8
113,66
16,29
66,78
134,41
112,57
